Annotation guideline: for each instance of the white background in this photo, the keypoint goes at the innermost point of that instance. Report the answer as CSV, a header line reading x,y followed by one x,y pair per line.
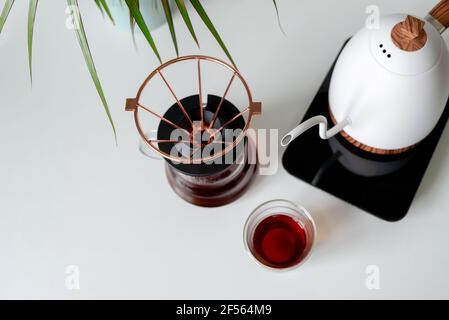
x,y
69,196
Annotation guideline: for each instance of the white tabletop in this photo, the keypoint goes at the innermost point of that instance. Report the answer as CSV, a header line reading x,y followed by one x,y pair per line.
x,y
70,197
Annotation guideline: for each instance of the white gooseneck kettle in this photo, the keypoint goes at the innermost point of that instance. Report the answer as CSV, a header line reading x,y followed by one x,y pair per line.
x,y
390,85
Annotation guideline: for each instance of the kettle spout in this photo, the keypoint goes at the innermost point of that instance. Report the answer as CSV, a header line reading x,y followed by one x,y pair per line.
x,y
324,132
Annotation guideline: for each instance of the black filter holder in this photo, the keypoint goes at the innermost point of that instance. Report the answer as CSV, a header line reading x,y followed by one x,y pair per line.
x,y
383,185
191,104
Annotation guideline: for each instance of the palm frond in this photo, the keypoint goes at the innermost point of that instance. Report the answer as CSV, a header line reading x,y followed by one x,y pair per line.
x,y
97,2
185,16
106,9
203,15
82,40
31,18
5,12
137,16
171,26
278,16
132,25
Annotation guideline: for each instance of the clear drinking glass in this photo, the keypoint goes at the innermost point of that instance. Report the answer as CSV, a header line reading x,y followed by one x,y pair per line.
x,y
279,235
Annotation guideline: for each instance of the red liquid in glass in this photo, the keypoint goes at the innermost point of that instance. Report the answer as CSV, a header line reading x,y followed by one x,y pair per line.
x,y
279,241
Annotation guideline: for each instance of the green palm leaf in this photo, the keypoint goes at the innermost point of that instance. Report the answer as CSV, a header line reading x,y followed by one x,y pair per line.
x,y
170,23
132,24
97,2
278,17
137,16
185,16
106,9
202,13
82,39
5,13
31,18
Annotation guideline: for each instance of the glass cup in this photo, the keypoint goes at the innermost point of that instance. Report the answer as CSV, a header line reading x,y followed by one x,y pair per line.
x,y
279,235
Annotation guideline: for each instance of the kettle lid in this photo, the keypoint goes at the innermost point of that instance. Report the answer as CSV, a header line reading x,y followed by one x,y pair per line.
x,y
406,45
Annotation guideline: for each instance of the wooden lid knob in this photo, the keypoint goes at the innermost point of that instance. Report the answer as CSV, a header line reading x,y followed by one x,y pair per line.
x,y
409,35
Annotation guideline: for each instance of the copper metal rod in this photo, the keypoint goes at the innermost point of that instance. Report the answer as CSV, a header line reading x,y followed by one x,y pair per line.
x,y
168,141
200,94
233,119
221,101
161,117
176,98
205,144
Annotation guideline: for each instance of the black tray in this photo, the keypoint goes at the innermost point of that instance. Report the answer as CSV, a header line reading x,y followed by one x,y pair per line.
x,y
381,185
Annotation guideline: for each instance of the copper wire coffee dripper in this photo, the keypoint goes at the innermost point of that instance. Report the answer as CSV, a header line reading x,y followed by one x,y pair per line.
x,y
252,108
193,175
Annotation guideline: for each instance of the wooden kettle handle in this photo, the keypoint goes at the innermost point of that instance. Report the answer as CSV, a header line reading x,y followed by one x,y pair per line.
x,y
441,13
